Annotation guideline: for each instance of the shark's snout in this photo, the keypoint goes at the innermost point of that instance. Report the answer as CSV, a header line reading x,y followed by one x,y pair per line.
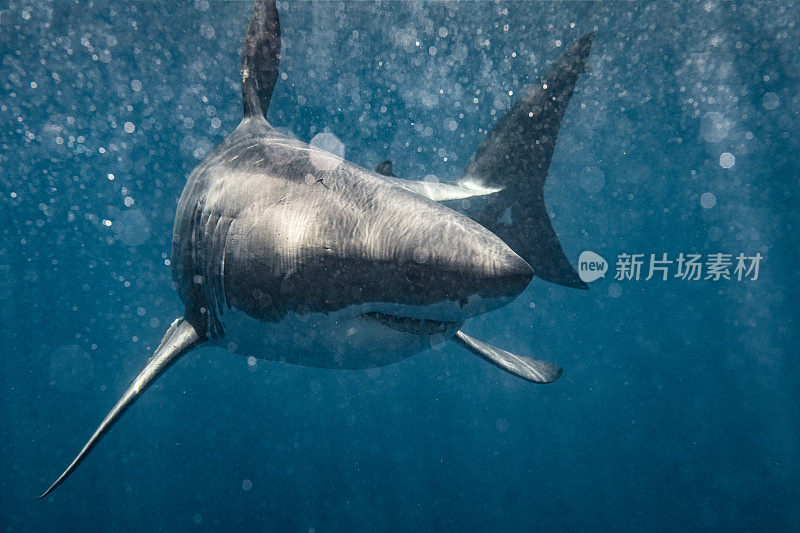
x,y
453,259
509,279
494,276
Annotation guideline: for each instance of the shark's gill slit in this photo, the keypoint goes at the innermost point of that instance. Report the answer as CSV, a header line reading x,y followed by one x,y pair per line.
x,y
214,288
224,300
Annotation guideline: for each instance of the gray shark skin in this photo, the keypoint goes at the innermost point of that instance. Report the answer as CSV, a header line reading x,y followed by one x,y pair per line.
x,y
274,231
284,251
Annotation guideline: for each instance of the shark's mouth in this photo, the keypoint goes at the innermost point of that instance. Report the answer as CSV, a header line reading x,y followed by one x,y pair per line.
x,y
416,326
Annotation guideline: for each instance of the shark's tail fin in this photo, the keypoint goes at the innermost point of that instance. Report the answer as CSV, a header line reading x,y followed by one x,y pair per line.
x,y
179,339
515,155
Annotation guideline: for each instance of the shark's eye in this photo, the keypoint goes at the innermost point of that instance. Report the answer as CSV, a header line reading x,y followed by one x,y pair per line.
x,y
413,275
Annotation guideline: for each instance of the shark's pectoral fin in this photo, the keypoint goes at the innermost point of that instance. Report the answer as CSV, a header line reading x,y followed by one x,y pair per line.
x,y
524,367
168,335
179,339
437,191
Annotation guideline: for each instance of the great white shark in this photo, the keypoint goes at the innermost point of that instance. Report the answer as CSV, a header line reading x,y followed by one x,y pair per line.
x,y
284,251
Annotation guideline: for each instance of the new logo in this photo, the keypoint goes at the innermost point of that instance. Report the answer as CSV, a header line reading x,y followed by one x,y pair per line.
x,y
591,266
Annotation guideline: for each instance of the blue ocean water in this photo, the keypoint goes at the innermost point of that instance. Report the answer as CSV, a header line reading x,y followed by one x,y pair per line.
x,y
678,407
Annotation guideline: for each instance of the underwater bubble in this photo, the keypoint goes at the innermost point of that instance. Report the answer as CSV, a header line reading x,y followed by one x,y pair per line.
x,y
207,31
71,368
709,517
202,147
132,228
130,127
593,180
421,255
429,100
331,145
715,127
502,425
501,102
770,101
506,218
727,160
708,200
615,290
55,133
328,142
247,484
136,85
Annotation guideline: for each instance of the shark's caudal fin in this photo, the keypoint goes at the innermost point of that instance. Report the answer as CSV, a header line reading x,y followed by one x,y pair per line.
x,y
260,57
515,156
179,339
523,367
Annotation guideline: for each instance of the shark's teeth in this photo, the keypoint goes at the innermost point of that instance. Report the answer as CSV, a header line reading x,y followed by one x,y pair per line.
x,y
417,326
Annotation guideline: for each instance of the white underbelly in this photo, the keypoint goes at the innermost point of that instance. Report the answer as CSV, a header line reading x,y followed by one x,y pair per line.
x,y
338,340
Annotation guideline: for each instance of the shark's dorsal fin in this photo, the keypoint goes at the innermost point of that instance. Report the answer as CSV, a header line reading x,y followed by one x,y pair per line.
x,y
523,367
515,156
260,57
